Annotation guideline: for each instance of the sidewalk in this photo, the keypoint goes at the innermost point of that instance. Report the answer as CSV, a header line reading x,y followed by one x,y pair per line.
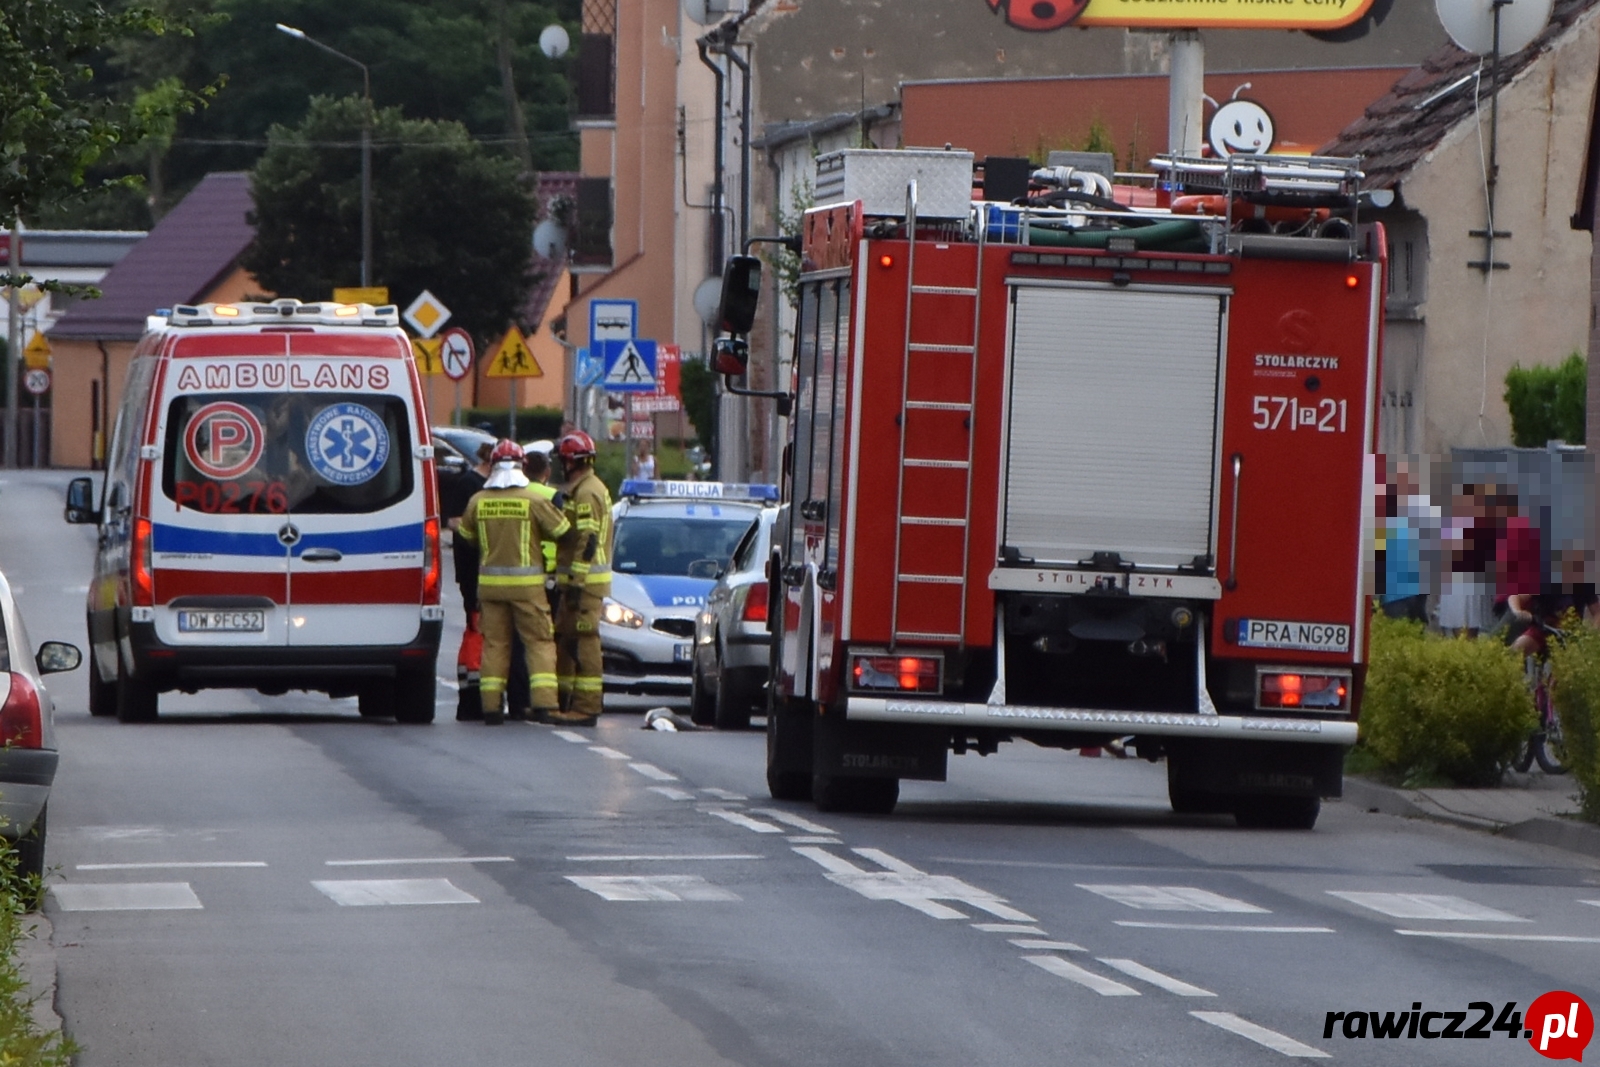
x,y
1540,808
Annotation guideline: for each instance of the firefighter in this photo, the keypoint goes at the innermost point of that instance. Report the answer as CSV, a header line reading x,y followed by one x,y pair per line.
x,y
583,576
506,521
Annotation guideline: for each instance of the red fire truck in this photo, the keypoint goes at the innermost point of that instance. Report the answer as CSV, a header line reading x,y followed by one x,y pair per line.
x,y
1072,472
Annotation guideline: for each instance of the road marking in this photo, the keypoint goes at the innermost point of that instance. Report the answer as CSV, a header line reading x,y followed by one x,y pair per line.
x,y
420,859
1161,981
366,892
666,857
1036,945
724,794
906,885
127,896
671,793
1427,906
799,822
447,682
739,818
1008,928
608,753
667,887
1277,1042
1471,936
1596,903
1227,928
570,736
69,590
1172,898
1073,973
650,770
812,839
173,865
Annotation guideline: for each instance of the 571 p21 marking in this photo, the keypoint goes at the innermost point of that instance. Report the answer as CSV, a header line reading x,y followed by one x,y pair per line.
x,y
1324,416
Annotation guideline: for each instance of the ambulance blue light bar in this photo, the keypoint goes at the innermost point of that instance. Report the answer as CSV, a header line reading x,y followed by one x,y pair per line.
x,y
640,488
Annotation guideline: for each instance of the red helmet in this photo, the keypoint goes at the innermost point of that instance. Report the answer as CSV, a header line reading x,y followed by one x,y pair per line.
x,y
575,445
506,451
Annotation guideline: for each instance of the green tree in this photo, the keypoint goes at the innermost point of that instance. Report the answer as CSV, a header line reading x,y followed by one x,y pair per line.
x,y
446,215
58,116
1548,403
698,384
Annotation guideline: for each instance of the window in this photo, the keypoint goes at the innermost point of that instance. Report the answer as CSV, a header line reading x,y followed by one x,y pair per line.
x,y
591,246
668,545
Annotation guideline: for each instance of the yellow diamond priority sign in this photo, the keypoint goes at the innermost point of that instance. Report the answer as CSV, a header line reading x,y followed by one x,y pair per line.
x,y
426,314
512,358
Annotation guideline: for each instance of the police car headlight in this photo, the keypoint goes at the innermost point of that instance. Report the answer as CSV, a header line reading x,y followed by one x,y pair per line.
x,y
620,615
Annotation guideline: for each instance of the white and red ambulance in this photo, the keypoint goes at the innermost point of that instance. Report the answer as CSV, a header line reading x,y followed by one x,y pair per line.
x,y
268,518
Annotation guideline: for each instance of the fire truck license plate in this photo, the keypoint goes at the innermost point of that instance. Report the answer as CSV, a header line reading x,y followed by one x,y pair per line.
x,y
190,622
1300,636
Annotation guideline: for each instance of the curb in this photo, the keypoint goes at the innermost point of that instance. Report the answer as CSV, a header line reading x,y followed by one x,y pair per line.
x,y
36,958
1565,834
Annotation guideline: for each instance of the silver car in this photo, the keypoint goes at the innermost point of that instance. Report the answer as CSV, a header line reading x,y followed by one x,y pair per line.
x,y
670,540
732,645
28,725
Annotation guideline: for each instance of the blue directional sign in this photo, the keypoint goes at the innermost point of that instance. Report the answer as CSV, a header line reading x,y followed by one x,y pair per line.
x,y
589,368
630,366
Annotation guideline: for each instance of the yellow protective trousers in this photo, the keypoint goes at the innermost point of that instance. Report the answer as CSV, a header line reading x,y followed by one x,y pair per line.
x,y
531,618
578,658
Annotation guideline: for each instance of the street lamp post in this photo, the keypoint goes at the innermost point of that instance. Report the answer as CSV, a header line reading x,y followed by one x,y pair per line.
x,y
366,146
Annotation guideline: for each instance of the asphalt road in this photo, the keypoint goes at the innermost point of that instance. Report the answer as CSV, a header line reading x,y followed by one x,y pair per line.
x,y
258,880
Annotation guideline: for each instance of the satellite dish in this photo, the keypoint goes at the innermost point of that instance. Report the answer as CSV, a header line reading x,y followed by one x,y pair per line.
x,y
1470,23
550,240
554,41
696,10
708,300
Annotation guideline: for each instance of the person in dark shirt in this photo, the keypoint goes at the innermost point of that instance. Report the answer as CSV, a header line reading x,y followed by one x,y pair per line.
x,y
1529,613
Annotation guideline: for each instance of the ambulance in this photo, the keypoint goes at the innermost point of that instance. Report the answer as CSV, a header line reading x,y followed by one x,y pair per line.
x,y
268,516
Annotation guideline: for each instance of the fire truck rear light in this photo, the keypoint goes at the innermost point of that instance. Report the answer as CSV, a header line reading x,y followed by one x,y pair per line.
x,y
1302,690
1351,281
885,262
20,724
909,674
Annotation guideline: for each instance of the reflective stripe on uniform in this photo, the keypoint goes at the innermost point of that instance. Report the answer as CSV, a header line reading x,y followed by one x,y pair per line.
x,y
585,684
491,683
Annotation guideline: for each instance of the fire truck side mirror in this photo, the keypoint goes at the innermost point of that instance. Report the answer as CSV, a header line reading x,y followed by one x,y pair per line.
x,y
741,287
730,355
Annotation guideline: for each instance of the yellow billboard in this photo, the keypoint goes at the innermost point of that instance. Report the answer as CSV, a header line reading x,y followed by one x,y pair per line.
x,y
1044,15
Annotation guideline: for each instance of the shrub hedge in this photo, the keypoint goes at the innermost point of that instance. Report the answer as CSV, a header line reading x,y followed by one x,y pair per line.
x,y
1576,690
22,1043
1443,707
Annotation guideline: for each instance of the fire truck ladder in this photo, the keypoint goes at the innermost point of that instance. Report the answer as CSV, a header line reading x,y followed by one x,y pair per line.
x,y
958,575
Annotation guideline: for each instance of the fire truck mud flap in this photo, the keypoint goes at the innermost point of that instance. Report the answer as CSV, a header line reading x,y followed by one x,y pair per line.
x,y
1254,768
879,750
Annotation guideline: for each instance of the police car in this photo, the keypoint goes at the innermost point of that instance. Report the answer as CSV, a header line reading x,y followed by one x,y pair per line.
x,y
670,541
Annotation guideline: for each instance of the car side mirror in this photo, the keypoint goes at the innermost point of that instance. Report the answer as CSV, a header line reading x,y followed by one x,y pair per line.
x,y
80,505
450,464
57,656
741,288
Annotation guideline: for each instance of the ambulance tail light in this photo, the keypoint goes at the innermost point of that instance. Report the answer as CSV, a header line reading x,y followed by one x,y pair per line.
x,y
141,564
430,561
20,722
919,673
1290,689
755,603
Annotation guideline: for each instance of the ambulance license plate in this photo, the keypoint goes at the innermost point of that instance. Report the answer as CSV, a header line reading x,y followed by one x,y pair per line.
x,y
215,622
683,652
1296,636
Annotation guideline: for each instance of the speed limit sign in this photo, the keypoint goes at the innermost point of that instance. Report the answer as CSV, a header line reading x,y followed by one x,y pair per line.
x,y
456,353
36,381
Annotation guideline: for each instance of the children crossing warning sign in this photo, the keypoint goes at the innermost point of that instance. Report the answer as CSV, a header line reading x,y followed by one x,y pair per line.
x,y
512,358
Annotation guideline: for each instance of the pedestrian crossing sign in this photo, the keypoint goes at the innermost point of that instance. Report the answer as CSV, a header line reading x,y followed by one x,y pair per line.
x,y
426,351
512,358
630,366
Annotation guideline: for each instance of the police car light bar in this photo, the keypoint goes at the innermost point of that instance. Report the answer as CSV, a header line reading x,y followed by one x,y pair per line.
x,y
639,488
252,313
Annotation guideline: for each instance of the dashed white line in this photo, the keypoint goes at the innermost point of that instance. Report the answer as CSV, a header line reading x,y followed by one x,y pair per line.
x,y
664,887
383,891
1427,906
650,770
1137,970
1073,973
1595,903
643,857
1471,936
1172,898
724,794
812,839
572,737
907,885
799,822
608,753
127,896
671,793
1226,928
448,683
1260,1034
418,859
739,818
172,865
1007,928
1033,944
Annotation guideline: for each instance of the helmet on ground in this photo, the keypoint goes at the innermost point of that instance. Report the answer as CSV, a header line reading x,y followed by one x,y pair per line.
x,y
576,445
506,451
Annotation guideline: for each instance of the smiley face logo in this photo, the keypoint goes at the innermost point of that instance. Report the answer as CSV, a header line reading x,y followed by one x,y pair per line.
x,y
1241,127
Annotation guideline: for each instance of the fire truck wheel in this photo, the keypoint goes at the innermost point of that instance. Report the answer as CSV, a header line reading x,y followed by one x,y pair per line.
x,y
866,796
702,704
1194,801
788,745
136,701
1277,813
414,697
375,699
733,704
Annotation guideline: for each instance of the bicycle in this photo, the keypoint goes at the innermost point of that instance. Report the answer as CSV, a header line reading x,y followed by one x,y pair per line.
x,y
1545,743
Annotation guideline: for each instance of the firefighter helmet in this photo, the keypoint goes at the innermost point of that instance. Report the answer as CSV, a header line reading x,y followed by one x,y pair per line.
x,y
506,451
576,445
